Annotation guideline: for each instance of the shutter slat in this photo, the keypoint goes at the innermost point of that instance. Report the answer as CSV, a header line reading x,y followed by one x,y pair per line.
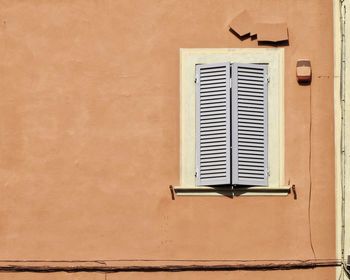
x,y
212,119
213,124
249,71
249,124
218,161
213,115
217,90
213,86
212,81
213,144
248,78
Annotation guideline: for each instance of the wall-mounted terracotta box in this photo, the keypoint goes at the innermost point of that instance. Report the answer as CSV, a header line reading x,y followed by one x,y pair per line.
x,y
303,71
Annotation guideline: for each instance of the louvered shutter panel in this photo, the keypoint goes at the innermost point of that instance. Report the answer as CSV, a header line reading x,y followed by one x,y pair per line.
x,y
249,124
213,158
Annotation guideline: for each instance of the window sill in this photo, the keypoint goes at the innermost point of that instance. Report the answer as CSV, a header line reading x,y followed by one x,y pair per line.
x,y
231,191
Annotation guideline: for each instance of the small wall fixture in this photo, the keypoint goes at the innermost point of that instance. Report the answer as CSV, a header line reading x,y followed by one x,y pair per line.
x,y
304,72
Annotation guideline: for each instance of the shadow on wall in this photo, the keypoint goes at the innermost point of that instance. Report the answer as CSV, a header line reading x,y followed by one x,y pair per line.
x,y
284,43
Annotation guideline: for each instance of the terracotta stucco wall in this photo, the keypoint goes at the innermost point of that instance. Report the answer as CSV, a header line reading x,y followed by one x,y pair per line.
x,y
319,274
89,134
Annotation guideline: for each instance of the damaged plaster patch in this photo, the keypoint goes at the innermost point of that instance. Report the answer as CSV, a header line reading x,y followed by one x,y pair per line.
x,y
244,26
272,32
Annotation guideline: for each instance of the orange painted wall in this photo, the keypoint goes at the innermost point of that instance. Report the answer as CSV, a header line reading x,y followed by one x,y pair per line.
x,y
89,134
319,274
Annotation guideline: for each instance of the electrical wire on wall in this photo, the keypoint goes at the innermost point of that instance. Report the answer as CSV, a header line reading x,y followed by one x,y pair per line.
x,y
310,174
123,265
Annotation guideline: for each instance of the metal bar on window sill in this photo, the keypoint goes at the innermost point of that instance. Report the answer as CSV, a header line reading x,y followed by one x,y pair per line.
x,y
231,191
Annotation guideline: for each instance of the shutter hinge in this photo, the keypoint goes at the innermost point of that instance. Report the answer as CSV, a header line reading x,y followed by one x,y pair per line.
x,y
195,80
195,174
268,173
267,79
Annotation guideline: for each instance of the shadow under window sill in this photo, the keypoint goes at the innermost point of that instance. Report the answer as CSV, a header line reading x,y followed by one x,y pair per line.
x,y
230,191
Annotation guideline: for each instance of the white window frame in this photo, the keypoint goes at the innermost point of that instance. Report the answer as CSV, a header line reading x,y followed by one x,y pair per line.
x,y
274,58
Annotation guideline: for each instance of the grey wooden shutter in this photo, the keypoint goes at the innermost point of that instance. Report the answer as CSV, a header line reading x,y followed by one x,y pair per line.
x,y
249,124
213,158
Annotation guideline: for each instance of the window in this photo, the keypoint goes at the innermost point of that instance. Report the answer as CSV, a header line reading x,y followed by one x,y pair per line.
x,y
231,124
272,61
